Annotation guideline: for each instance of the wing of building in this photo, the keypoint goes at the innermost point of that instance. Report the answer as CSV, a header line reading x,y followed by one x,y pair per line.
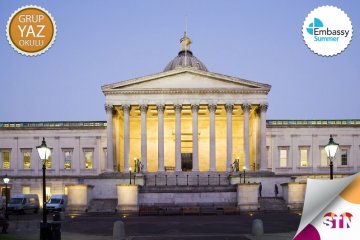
x,y
204,134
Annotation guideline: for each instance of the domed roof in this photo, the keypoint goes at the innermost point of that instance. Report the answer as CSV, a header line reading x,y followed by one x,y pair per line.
x,y
185,58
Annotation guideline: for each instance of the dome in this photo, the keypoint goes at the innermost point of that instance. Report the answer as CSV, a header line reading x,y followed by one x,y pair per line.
x,y
185,58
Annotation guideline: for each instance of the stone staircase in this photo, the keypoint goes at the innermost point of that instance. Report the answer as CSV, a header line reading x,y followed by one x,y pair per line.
x,y
272,204
102,205
187,179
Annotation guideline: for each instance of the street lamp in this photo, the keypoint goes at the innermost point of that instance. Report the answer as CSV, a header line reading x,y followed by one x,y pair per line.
x,y
130,174
244,168
44,154
330,150
6,181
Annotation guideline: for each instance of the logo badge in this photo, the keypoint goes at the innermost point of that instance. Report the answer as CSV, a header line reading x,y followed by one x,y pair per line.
x,y
327,31
31,30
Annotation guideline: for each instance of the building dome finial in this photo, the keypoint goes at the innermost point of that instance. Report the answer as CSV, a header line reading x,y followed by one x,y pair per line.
x,y
185,58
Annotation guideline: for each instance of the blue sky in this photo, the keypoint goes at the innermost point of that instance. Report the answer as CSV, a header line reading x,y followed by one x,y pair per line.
x,y
101,42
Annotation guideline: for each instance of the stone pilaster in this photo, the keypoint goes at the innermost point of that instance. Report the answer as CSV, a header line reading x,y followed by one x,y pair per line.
x,y
143,112
212,152
160,109
195,136
178,108
229,145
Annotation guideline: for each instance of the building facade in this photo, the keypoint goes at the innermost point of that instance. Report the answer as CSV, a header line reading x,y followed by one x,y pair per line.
x,y
184,121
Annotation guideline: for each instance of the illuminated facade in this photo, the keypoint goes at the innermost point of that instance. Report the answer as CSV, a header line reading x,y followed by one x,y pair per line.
x,y
182,120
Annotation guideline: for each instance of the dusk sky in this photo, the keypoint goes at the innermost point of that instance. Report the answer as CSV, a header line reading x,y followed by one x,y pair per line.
x,y
102,42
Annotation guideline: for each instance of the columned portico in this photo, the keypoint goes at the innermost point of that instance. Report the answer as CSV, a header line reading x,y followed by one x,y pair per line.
x,y
160,109
182,125
246,109
263,109
110,138
177,108
195,137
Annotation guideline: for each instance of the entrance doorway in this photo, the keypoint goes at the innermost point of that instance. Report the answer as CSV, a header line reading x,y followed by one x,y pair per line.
x,y
5,193
186,161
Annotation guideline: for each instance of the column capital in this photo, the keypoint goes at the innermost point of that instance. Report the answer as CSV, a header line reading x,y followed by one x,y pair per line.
x,y
109,108
212,107
126,108
246,107
229,107
160,107
263,107
177,107
195,107
143,108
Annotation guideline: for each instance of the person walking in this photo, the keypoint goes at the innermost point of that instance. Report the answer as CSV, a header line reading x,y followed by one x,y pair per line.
x,y
276,190
260,189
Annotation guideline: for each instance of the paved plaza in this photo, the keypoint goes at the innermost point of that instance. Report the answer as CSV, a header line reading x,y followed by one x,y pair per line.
x,y
278,226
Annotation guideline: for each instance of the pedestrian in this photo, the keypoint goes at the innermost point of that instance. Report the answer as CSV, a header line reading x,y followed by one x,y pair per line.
x,y
276,190
3,221
260,189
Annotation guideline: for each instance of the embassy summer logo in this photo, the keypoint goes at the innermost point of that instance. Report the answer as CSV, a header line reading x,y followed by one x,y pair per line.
x,y
333,221
327,31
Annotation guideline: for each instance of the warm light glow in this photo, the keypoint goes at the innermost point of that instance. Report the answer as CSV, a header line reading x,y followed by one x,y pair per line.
x,y
331,148
6,179
244,167
130,169
44,151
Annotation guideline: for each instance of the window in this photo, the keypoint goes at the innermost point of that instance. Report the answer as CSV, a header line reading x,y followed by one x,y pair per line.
x,y
66,190
67,158
48,162
283,157
323,157
25,189
48,193
89,154
5,155
304,156
26,158
344,156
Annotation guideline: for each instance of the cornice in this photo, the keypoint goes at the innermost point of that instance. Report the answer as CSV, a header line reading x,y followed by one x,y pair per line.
x,y
187,91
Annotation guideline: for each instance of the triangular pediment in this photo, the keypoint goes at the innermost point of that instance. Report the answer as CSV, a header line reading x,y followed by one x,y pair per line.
x,y
185,78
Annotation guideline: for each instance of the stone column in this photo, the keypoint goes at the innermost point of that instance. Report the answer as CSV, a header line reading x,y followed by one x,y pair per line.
x,y
246,109
229,146
195,136
263,109
160,109
110,138
143,111
126,109
178,108
212,152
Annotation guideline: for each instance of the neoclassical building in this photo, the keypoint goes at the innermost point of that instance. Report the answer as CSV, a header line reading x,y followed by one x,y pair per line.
x,y
184,121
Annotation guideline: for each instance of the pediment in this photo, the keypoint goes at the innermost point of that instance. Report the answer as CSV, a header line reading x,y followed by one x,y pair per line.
x,y
185,78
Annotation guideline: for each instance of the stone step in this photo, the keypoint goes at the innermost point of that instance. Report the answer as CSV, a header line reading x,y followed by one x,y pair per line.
x,y
187,179
272,204
103,205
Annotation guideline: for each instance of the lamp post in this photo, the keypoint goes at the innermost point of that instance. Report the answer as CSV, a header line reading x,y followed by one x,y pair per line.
x,y
44,154
130,174
330,150
244,168
6,181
